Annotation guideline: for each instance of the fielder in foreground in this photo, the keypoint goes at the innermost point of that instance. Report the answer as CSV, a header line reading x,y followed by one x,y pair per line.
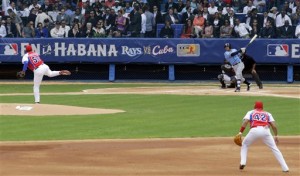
x,y
260,122
33,61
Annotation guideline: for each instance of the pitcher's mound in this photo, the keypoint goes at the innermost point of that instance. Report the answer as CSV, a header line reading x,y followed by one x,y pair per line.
x,y
49,109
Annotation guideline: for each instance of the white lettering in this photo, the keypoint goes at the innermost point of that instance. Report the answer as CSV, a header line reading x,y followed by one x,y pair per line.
x,y
101,50
158,51
60,49
112,50
81,50
71,50
296,51
131,51
91,51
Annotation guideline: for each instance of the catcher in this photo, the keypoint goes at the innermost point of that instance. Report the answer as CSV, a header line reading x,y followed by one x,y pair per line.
x,y
33,61
228,78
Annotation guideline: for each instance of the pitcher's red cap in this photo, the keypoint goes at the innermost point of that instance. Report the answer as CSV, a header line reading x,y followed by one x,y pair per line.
x,y
258,105
28,48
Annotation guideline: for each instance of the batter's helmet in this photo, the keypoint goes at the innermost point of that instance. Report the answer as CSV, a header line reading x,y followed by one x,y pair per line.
x,y
258,105
227,45
28,48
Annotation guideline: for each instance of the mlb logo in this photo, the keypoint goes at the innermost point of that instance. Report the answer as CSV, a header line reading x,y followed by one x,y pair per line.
x,y
8,49
278,50
188,50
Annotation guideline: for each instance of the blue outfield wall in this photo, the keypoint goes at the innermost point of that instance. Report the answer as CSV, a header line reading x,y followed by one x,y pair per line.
x,y
170,52
149,50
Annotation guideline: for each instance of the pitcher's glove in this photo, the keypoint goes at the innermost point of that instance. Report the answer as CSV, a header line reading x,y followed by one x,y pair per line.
x,y
20,75
238,139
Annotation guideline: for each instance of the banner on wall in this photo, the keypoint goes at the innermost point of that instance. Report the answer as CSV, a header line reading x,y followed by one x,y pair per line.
x,y
155,51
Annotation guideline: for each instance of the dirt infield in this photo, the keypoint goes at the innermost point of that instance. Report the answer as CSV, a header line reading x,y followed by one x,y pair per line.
x,y
155,157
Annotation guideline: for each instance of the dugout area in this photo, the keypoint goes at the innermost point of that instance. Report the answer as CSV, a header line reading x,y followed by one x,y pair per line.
x,y
159,72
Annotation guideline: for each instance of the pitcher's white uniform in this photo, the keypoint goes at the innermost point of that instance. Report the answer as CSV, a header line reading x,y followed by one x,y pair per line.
x,y
260,129
33,61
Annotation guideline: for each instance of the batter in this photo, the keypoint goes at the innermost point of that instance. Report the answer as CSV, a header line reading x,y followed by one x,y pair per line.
x,y
33,61
260,122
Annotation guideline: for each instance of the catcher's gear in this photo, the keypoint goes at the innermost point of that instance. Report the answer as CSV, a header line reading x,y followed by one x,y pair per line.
x,y
238,139
20,75
226,67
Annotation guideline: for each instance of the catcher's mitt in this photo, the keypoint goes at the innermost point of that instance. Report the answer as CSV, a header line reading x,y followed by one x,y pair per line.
x,y
238,139
20,75
226,67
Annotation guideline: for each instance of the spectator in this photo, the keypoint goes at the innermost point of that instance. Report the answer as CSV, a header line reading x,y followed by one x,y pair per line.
x,y
167,31
260,5
128,8
135,24
241,29
88,32
287,9
92,18
187,6
273,13
206,15
11,6
32,16
296,16
212,9
227,9
267,31
267,18
217,22
286,31
48,26
53,14
226,30
170,4
149,22
187,31
66,28
46,7
198,24
180,6
2,29
57,31
170,16
11,28
41,16
63,16
249,7
41,32
297,31
77,15
187,15
208,30
258,18
194,4
231,18
99,31
109,3
116,6
16,20
143,23
110,21
120,21
34,5
255,28
28,31
75,32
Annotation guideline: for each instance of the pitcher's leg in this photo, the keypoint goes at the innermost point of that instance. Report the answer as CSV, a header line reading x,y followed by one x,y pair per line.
x,y
37,80
269,141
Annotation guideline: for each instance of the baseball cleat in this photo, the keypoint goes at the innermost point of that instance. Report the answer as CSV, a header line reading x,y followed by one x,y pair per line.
x,y
260,87
242,166
65,72
237,90
248,86
286,171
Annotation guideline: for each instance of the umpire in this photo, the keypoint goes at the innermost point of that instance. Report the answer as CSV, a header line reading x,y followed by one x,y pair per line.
x,y
250,65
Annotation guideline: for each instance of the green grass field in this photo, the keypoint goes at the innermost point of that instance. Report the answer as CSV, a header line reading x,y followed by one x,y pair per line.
x,y
146,116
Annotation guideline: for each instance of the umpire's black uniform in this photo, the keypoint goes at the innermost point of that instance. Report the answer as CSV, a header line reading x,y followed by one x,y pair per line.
x,y
250,65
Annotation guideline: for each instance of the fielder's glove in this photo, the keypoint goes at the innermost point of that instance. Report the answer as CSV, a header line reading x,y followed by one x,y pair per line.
x,y
238,139
20,75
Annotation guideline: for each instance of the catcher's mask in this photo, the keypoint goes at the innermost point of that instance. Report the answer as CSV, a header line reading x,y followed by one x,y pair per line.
x,y
227,45
28,48
258,105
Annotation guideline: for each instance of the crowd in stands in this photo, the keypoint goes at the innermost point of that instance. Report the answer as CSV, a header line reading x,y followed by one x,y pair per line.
x,y
139,18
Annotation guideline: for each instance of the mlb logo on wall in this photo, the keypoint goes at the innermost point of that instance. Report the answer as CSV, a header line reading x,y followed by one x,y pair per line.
x,y
188,50
8,49
278,50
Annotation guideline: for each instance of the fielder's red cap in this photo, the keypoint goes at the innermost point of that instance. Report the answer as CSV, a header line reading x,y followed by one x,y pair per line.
x,y
258,105
28,48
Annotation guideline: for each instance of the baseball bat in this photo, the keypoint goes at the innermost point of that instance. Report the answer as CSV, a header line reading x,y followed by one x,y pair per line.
x,y
253,38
